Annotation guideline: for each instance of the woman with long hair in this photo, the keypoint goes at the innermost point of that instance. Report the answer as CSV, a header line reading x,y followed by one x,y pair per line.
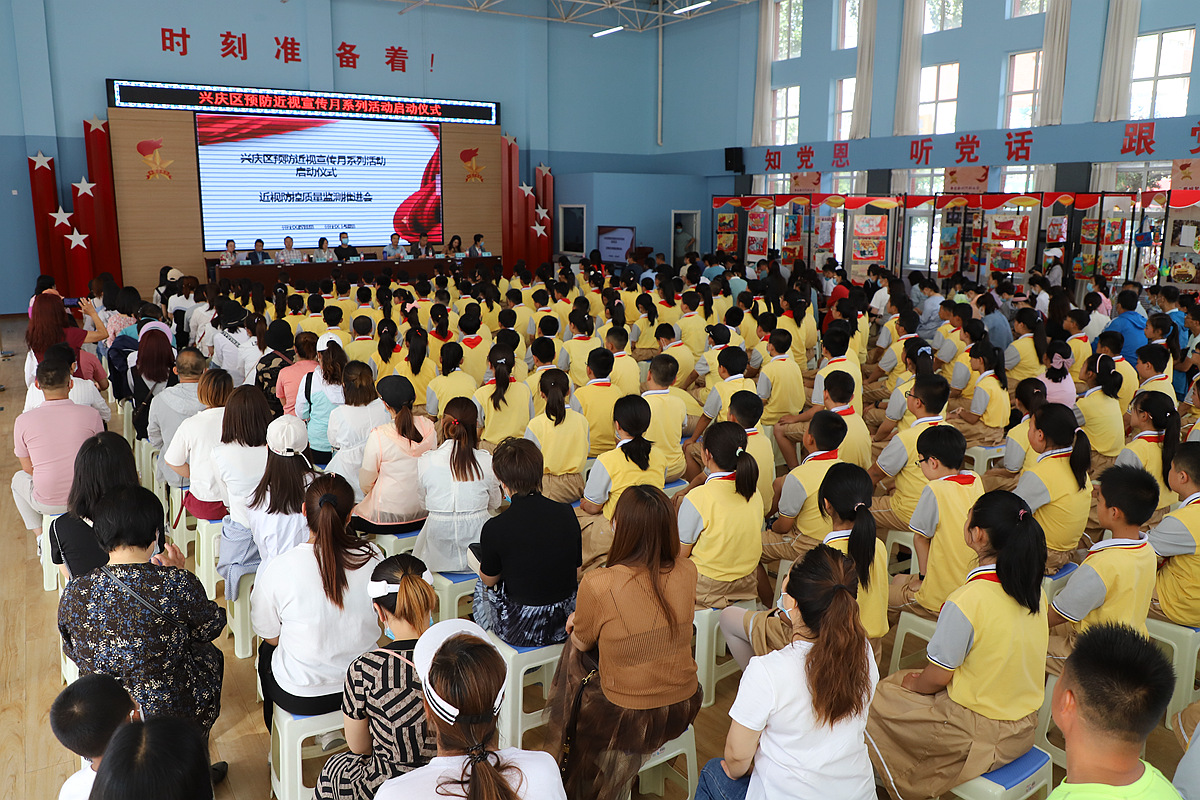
x,y
320,392
310,607
152,370
456,485
276,507
505,404
1057,487
451,383
254,348
632,622
351,423
563,436
48,326
389,464
804,737
974,707
128,302
279,354
385,724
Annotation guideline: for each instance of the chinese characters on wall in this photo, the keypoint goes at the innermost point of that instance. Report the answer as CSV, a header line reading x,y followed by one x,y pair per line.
x,y
286,49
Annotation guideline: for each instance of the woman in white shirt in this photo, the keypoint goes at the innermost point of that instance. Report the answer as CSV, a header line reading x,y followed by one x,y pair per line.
x,y
804,738
254,348
320,391
276,509
352,423
462,677
311,608
238,465
229,337
190,451
456,484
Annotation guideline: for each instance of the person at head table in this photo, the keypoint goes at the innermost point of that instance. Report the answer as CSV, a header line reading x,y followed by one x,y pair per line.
x,y
259,254
422,249
230,256
453,247
478,248
345,251
394,250
288,255
323,252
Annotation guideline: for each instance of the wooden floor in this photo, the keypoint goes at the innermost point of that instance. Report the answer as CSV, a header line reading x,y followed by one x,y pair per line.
x,y
32,762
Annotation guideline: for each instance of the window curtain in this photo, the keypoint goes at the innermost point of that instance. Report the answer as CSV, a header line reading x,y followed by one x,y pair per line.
x,y
908,76
1104,178
1054,63
860,120
1112,99
1043,177
761,134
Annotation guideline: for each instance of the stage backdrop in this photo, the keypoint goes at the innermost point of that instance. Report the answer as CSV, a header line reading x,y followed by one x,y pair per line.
x,y
156,178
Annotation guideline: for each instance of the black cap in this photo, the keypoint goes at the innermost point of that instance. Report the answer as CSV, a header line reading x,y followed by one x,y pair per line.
x,y
396,391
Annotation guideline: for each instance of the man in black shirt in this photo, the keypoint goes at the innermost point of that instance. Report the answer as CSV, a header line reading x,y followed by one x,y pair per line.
x,y
345,251
422,249
259,254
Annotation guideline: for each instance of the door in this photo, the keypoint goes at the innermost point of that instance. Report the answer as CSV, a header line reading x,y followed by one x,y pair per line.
x,y
685,234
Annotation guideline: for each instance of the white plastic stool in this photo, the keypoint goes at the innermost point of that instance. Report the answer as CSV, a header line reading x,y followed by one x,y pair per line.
x,y
656,769
158,485
785,566
208,547
769,432
239,618
452,587
896,540
985,456
1184,643
127,422
67,668
1053,584
179,531
675,487
50,573
287,752
909,625
708,632
1017,780
393,544
1042,732
541,662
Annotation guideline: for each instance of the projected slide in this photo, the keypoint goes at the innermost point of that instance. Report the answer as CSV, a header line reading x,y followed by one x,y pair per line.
x,y
269,177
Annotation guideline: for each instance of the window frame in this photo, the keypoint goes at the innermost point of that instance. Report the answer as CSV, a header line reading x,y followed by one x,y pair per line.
x,y
1157,76
789,115
840,112
1009,93
938,101
843,12
792,7
1015,12
940,26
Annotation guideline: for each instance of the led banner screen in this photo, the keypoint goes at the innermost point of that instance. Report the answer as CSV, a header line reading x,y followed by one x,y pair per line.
x,y
267,177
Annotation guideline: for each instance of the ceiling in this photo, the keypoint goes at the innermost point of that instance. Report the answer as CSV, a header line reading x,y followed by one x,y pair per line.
x,y
635,15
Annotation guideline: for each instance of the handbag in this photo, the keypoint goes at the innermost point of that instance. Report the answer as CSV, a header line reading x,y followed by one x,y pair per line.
x,y
569,732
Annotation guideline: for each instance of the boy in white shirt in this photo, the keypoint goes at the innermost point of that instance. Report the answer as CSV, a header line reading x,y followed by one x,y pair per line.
x,y
84,717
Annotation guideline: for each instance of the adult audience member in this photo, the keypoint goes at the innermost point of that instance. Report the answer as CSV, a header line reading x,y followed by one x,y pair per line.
x,y
389,464
278,356
172,406
276,508
48,325
351,424
84,717
239,463
190,451
287,386
83,391
320,391
161,758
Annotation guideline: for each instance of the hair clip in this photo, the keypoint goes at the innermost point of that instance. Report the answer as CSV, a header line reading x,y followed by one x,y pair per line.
x,y
1021,513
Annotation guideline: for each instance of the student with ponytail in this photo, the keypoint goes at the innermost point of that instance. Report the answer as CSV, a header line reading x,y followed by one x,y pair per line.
x,y
505,405
984,420
816,722
720,521
309,607
389,466
386,354
1058,361
451,383
974,706
1057,487
960,373
562,434
1099,411
1162,330
1023,358
633,461
1156,426
646,346
416,365
1030,395
456,484
440,332
384,721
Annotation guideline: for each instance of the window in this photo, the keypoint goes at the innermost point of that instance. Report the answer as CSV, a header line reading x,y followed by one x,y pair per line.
x,y
1162,66
847,24
789,15
786,121
1021,97
942,15
843,182
1138,176
924,181
1023,8
844,105
1017,179
939,99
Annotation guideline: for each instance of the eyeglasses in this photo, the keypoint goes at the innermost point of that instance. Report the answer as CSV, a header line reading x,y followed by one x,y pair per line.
x,y
909,394
924,459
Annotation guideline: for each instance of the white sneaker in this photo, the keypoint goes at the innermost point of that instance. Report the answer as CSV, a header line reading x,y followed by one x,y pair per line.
x,y
331,740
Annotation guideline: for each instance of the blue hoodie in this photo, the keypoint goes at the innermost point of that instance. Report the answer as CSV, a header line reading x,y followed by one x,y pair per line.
x,y
1132,326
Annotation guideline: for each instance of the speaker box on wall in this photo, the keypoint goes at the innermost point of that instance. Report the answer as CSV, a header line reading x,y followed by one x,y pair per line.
x,y
734,161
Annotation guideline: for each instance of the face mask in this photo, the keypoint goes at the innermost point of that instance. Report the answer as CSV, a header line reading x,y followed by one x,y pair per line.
x,y
388,633
782,610
345,239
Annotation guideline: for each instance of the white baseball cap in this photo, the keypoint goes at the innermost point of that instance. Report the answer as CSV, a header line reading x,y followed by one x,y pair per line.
x,y
326,340
287,436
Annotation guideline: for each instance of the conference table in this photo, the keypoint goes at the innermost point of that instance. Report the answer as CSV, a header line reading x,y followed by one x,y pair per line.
x,y
268,274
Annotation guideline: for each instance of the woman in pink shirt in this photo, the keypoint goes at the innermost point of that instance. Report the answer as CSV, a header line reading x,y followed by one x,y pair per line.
x,y
287,388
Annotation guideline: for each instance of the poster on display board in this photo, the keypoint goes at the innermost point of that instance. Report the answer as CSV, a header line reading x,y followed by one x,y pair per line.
x,y
1008,227
727,242
1185,173
1056,231
1114,231
1089,231
1183,272
727,222
1007,259
802,182
947,265
756,245
1110,262
965,179
950,237
792,227
871,225
792,252
869,249
1183,234
824,233
1083,265
758,221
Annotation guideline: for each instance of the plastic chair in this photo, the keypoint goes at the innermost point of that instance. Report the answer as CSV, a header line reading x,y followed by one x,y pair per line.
x,y
179,532
50,573
909,625
239,618
708,632
288,733
450,588
651,778
403,541
785,566
1042,733
67,668
985,456
208,548
906,539
675,487
127,422
1018,780
1053,584
1184,644
539,664
157,484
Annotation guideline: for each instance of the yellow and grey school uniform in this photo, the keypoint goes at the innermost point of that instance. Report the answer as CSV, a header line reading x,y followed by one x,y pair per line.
x,y
925,745
725,531
668,314
436,342
856,447
707,363
1177,585
668,419
799,349
613,473
897,406
626,375
781,387
1081,350
1145,451
524,315
898,460
798,500
952,345
682,353
716,406
384,368
595,400
839,364
564,454
1057,502
445,388
475,351
939,336
511,418
758,445
1170,370
941,516
360,348
963,378
991,403
887,333
420,380
645,340
1101,418
364,311
873,599
858,342
534,382
892,361
1021,360
1159,383
572,359
1129,381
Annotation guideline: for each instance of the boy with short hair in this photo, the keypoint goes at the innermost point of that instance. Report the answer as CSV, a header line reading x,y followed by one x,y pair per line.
x,y
84,717
781,381
1114,688
925,400
626,374
790,428
676,348
576,351
363,344
1177,540
668,414
1076,320
1152,361
542,353
731,369
856,447
315,321
596,399
332,316
706,362
1116,580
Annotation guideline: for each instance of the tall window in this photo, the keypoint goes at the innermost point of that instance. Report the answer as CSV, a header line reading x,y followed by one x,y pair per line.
x,y
844,105
1023,8
847,24
786,120
1021,97
939,98
789,18
942,15
1137,176
1162,66
923,223
1017,179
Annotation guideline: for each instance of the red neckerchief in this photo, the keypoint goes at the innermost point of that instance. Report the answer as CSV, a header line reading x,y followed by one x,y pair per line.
x,y
472,341
828,455
448,337
987,573
848,411
1150,436
962,478
789,314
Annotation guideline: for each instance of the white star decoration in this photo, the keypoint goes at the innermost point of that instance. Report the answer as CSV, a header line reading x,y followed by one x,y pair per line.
x,y
84,187
509,138
60,217
542,168
40,161
541,212
527,189
95,124
540,230
77,239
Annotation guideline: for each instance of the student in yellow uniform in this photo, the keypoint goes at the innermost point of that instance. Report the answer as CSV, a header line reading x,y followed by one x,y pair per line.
x,y
856,447
731,370
506,337
505,405
541,310
891,363
692,324
315,321
1018,454
440,332
516,301
506,319
983,423
451,383
845,311
1110,343
596,400
668,415
720,521
676,349
1099,412
800,526
387,353
745,408
626,375
633,461
573,358
1161,330
1081,346
943,558
668,310
790,427
974,707
1115,582
917,357
1177,540
416,365
1023,358
962,377
1152,363
332,316
925,400
706,364
1057,487
543,356
954,343
780,381
476,343
362,345
1156,427
561,433
646,346
363,306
